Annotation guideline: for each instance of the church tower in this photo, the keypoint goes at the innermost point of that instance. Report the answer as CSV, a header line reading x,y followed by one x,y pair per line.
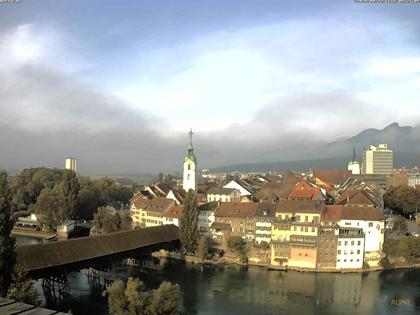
x,y
190,167
354,165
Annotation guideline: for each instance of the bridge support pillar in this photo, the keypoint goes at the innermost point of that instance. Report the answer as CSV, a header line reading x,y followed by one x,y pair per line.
x,y
56,289
99,279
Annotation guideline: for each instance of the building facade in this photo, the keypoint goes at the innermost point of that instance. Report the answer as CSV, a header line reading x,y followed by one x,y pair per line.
x,y
71,164
378,160
223,194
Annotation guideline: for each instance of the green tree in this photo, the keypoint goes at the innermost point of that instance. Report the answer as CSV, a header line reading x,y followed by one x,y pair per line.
x,y
49,208
239,246
7,243
106,221
22,288
70,189
89,198
133,299
188,229
126,222
205,247
165,299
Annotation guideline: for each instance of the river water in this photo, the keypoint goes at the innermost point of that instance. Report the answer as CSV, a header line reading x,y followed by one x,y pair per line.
x,y
220,290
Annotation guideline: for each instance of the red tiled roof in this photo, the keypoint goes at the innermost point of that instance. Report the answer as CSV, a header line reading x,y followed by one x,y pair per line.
x,y
237,209
331,213
173,212
310,206
220,226
303,190
361,213
141,203
354,197
331,176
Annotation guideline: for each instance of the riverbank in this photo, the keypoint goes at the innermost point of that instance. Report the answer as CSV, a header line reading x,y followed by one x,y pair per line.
x,y
32,233
234,262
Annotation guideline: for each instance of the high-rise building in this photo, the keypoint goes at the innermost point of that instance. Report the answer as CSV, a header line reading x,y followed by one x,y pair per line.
x,y
378,160
190,168
354,165
71,164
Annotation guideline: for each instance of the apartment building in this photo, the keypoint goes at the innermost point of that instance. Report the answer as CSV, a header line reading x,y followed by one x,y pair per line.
x,y
378,160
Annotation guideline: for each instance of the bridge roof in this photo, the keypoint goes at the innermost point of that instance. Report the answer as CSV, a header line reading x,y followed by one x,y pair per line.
x,y
48,255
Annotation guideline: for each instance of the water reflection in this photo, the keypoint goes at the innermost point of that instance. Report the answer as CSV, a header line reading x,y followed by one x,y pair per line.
x,y
233,290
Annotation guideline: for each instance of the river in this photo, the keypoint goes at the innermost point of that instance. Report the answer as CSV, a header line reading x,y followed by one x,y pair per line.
x,y
219,290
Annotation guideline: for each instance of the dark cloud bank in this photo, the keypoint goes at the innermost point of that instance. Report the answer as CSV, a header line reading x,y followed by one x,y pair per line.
x,y
46,116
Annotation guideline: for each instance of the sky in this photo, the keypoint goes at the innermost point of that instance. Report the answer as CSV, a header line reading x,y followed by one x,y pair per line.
x,y
119,84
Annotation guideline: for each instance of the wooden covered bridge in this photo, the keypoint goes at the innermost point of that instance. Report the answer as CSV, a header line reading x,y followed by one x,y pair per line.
x,y
79,253
53,261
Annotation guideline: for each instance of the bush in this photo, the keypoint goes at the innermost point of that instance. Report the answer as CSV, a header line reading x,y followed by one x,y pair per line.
x,y
205,247
384,262
407,247
239,246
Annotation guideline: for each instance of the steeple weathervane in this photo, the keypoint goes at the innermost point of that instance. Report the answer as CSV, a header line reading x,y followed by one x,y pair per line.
x,y
191,134
354,154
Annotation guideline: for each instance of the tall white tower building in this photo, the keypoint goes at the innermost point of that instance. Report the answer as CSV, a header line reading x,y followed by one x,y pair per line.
x,y
71,164
378,160
190,168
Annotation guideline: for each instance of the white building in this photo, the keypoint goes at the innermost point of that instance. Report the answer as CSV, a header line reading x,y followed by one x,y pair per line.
x,y
370,220
264,218
71,164
350,248
223,194
235,185
206,218
190,168
172,215
414,179
378,160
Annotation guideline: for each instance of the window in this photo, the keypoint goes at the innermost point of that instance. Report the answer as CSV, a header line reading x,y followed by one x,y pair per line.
x,y
358,252
370,224
345,260
347,223
338,260
358,243
352,242
345,243
189,166
306,218
306,229
295,228
339,243
301,228
339,252
313,229
298,218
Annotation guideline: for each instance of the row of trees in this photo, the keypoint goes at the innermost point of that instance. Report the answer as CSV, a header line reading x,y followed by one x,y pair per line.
x,y
133,298
56,195
402,199
14,283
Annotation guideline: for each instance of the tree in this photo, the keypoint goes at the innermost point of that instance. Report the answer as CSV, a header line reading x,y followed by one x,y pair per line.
x,y
165,299
70,189
7,243
105,220
126,222
188,229
403,199
49,208
133,299
205,247
22,288
238,245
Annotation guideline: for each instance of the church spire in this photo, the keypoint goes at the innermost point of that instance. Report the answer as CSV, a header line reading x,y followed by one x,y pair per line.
x,y
191,134
354,154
